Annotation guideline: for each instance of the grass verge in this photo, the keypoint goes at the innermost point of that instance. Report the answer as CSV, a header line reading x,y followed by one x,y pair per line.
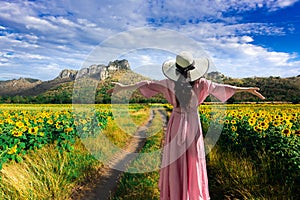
x,y
231,175
235,175
46,174
49,173
143,185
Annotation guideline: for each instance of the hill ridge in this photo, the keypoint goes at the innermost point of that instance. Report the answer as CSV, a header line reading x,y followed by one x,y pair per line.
x,y
60,89
29,87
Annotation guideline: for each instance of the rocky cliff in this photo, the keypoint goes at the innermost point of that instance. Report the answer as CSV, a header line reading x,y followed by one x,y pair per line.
x,y
27,86
99,72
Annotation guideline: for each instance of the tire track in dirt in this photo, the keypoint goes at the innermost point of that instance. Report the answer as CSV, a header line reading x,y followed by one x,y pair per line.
x,y
107,182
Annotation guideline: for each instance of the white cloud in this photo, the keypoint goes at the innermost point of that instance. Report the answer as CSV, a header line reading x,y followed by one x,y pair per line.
x,y
62,21
51,68
247,39
183,12
31,22
247,60
3,60
11,41
86,23
61,34
24,15
9,76
275,5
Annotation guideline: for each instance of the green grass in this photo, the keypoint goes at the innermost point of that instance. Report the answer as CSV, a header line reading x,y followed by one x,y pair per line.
x,y
232,175
143,185
49,173
46,173
235,175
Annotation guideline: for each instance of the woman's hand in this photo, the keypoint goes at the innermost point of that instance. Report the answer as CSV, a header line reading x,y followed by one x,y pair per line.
x,y
254,91
117,88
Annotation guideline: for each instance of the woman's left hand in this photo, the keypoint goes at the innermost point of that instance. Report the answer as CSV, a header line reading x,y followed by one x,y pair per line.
x,y
254,91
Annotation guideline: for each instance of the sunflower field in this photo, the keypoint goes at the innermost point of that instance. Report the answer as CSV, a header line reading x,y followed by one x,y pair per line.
x,y
29,127
247,130
254,128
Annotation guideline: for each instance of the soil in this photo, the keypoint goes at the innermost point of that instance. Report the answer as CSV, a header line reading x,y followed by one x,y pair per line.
x,y
102,184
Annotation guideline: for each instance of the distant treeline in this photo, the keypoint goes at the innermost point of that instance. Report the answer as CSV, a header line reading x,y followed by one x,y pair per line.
x,y
273,88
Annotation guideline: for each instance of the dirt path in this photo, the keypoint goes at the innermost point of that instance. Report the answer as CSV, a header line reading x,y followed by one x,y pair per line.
x,y
107,182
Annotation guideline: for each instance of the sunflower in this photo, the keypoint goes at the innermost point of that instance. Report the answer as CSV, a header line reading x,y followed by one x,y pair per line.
x,y
263,113
68,130
50,121
257,115
58,125
9,121
232,114
83,121
258,129
264,125
287,118
277,117
16,132
19,124
286,132
12,150
252,121
289,124
234,128
33,130
233,121
26,120
240,117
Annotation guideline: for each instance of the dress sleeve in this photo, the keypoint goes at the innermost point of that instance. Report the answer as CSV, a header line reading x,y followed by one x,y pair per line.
x,y
206,87
151,88
221,91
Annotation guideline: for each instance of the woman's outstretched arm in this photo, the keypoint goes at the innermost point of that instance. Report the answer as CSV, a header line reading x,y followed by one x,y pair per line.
x,y
252,90
119,86
224,91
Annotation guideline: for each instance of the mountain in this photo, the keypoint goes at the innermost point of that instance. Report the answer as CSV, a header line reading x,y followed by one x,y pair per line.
x,y
12,87
33,87
61,88
100,77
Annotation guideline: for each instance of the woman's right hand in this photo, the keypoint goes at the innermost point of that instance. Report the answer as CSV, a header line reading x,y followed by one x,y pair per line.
x,y
117,88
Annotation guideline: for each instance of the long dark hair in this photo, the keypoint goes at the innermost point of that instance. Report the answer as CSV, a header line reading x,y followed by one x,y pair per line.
x,y
183,91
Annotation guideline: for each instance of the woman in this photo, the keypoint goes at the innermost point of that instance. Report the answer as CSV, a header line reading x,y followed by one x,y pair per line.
x,y
183,172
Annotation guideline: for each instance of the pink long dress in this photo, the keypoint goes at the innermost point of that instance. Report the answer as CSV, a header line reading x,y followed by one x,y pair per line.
x,y
183,173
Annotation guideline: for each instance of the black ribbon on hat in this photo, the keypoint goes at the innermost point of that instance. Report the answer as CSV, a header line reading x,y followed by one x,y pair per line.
x,y
184,70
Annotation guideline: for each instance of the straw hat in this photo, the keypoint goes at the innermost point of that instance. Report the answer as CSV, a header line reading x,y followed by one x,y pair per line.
x,y
185,65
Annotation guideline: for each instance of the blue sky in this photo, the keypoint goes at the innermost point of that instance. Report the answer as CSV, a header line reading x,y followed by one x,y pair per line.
x,y
246,38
